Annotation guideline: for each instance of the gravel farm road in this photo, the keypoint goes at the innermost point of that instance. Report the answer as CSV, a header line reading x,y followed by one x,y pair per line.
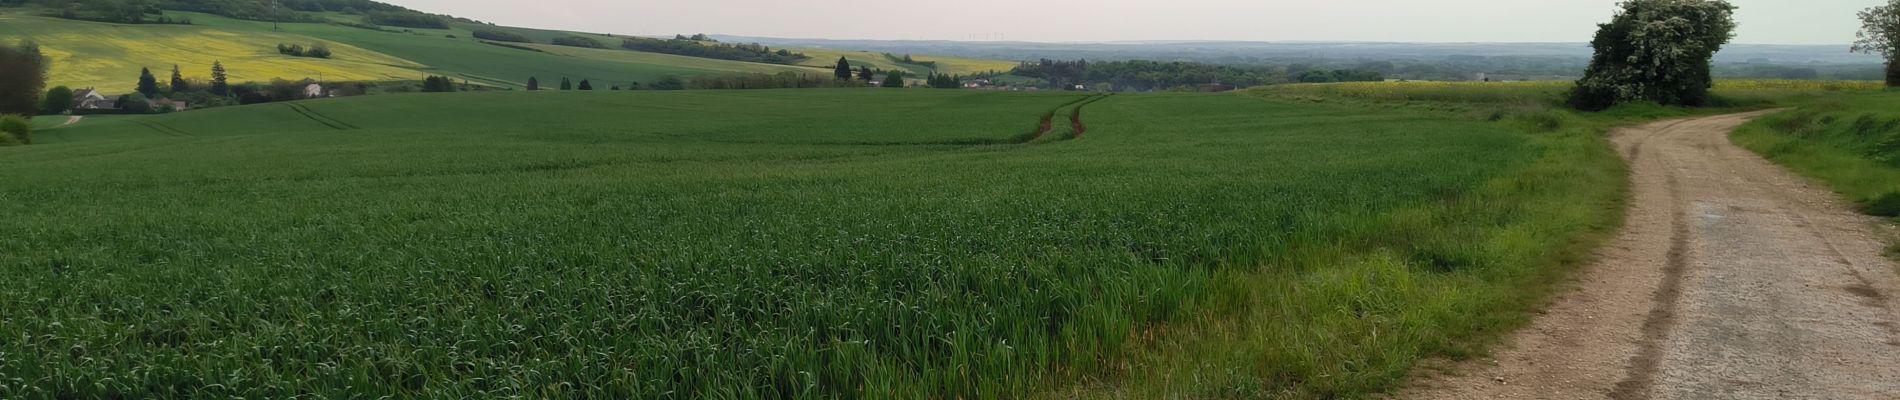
x,y
1732,279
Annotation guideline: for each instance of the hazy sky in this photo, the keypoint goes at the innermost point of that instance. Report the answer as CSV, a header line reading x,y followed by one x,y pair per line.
x,y
1763,21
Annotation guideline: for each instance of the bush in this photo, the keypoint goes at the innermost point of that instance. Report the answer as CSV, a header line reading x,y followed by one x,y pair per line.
x,y
500,36
15,130
318,50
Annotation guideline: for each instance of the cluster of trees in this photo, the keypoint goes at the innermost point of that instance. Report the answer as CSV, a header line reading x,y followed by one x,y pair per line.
x,y
696,37
342,6
664,83
202,94
782,80
318,50
843,71
751,52
943,81
434,83
154,96
1150,75
893,79
579,41
500,36
115,11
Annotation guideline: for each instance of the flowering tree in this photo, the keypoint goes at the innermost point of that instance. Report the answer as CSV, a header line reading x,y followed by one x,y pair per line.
x,y
1880,34
1655,50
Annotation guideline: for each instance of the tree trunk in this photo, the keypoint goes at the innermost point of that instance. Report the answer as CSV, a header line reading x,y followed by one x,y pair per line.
x,y
1893,73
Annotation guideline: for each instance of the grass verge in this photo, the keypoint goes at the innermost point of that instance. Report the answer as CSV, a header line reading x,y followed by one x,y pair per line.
x,y
1849,142
1352,312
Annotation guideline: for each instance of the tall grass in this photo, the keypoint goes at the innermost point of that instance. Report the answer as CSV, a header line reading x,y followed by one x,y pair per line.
x,y
1849,141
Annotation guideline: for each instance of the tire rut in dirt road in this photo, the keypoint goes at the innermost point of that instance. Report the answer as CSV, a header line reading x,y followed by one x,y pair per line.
x,y
1732,279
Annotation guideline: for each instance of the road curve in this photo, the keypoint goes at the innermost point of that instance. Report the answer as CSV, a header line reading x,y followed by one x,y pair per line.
x,y
1732,279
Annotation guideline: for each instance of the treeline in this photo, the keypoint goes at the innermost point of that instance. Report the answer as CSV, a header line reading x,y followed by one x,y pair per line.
x,y
501,36
744,81
1151,75
151,11
751,52
579,41
407,19
782,80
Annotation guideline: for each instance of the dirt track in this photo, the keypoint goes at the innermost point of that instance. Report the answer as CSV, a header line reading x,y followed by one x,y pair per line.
x,y
1732,280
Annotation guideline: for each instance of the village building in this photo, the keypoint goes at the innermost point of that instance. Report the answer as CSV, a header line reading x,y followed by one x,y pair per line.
x,y
90,99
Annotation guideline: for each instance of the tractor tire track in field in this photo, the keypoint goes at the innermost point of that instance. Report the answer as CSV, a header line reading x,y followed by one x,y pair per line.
x,y
326,120
164,129
1732,279
1048,120
1075,118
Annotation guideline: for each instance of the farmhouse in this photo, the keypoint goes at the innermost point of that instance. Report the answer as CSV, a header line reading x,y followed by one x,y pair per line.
x,y
90,99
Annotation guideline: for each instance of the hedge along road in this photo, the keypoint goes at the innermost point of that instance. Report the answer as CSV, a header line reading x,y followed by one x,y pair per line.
x,y
1732,279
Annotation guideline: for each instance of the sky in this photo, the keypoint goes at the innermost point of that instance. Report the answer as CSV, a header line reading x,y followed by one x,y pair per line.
x,y
1762,21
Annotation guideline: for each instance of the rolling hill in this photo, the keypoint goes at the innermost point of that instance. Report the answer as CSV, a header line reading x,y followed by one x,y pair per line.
x,y
108,55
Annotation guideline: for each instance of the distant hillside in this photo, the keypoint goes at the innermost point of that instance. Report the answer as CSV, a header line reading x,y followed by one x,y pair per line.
x,y
1447,61
90,51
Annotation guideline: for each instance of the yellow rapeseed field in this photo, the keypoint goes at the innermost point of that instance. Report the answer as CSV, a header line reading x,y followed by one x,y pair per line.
x,y
108,56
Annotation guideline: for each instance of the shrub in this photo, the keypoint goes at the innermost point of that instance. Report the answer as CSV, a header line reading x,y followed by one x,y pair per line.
x,y
15,130
318,50
500,36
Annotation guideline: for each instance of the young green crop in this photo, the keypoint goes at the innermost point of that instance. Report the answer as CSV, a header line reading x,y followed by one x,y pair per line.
x,y
781,244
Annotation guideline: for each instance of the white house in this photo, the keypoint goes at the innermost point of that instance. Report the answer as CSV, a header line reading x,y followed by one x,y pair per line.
x,y
89,99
